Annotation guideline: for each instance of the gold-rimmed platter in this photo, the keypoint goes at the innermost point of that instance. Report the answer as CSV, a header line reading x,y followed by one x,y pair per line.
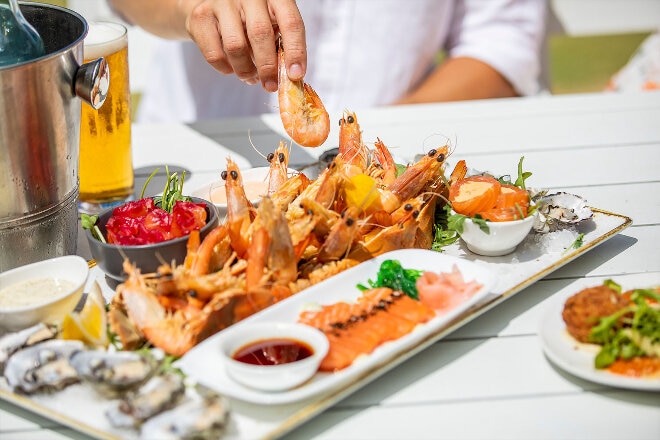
x,y
534,259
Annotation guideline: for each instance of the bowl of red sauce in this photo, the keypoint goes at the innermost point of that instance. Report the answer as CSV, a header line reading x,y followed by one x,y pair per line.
x,y
146,236
272,356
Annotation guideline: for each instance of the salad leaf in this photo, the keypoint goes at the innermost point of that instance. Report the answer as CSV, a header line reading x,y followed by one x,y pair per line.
x,y
629,332
442,235
89,222
447,227
442,238
455,222
391,274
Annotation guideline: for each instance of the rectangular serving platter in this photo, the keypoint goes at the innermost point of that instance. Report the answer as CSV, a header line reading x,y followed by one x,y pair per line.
x,y
79,408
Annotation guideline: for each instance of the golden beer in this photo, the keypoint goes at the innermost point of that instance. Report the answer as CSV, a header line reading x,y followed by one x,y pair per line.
x,y
106,166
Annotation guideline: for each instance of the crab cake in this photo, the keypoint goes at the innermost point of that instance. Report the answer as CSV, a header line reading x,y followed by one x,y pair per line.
x,y
582,310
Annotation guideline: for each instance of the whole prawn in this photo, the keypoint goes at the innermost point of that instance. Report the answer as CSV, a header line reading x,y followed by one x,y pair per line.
x,y
174,331
384,168
351,148
278,172
240,212
303,115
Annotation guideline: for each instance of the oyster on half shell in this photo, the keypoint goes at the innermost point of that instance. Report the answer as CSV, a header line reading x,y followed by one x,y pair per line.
x,y
10,343
561,210
203,415
43,367
114,372
157,395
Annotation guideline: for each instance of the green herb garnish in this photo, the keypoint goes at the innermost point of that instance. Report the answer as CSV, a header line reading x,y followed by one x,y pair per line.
x,y
167,366
613,285
520,180
455,222
630,332
442,235
577,243
391,274
89,222
447,227
442,238
172,192
522,175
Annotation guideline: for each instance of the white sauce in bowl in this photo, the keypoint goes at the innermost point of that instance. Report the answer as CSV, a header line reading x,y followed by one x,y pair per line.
x,y
34,291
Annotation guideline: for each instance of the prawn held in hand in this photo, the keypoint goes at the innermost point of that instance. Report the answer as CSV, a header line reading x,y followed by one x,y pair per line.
x,y
303,115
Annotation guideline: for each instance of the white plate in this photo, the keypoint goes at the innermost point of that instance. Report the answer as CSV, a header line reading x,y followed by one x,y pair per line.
x,y
204,363
577,358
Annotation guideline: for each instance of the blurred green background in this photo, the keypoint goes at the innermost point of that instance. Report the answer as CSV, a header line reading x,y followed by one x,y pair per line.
x,y
586,63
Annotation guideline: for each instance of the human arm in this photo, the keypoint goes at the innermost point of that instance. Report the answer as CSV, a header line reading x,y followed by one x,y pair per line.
x,y
234,36
492,51
460,79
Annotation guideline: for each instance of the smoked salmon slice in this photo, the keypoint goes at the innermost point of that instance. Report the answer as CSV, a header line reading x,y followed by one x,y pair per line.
x,y
354,329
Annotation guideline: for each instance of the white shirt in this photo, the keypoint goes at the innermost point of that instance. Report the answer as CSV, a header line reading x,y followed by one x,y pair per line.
x,y
360,53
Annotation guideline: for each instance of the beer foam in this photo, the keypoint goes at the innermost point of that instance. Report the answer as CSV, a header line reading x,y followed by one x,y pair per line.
x,y
104,39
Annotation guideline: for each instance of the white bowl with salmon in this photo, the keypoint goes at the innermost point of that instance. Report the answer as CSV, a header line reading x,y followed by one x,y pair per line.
x,y
502,238
491,217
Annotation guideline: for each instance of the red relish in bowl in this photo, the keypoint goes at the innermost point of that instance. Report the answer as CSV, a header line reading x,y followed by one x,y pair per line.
x,y
142,222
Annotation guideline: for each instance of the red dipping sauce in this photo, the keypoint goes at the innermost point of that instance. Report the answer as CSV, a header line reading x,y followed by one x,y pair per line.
x,y
273,352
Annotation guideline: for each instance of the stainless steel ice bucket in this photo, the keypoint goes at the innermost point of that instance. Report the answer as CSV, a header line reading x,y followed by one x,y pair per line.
x,y
39,139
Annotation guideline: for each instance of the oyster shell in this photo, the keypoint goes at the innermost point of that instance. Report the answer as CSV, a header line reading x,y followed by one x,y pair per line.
x,y
114,372
10,343
43,367
561,210
200,417
157,395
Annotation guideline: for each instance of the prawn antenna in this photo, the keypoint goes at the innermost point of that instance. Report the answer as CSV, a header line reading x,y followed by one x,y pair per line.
x,y
446,141
254,147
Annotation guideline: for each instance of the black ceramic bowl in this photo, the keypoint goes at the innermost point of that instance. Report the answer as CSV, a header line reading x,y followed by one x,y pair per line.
x,y
147,257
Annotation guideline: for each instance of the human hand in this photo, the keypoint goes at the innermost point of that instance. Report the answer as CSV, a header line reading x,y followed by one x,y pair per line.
x,y
239,36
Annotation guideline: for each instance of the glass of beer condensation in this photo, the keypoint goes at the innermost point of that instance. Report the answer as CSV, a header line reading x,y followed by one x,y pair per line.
x,y
106,164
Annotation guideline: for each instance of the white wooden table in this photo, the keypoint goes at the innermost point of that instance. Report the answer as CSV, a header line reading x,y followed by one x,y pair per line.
x,y
490,379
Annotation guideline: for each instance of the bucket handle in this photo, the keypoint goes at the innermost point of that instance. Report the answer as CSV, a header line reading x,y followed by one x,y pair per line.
x,y
92,82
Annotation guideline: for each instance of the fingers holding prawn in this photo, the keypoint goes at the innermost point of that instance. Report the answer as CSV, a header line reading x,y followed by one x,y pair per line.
x,y
238,37
292,29
260,30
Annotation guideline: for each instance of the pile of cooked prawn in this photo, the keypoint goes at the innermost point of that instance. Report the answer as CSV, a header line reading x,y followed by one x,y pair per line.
x,y
302,232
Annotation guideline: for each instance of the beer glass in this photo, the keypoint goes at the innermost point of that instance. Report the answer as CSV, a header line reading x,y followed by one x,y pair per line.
x,y
106,165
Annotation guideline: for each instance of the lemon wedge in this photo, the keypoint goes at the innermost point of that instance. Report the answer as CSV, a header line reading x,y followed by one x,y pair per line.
x,y
361,191
88,325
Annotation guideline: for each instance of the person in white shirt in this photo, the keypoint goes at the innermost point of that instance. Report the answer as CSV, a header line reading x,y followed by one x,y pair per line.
x,y
354,53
